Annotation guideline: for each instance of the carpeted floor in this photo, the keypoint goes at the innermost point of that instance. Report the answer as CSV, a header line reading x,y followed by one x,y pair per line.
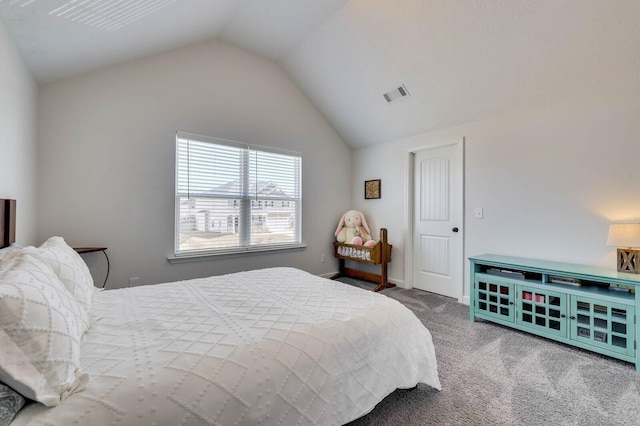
x,y
493,375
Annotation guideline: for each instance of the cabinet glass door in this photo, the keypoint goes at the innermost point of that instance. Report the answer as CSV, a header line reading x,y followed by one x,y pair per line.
x,y
606,325
541,310
494,298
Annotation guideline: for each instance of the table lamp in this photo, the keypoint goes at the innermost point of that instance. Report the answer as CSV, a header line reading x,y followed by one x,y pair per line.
x,y
626,236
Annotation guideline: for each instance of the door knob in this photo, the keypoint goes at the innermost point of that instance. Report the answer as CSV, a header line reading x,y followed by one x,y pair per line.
x,y
455,229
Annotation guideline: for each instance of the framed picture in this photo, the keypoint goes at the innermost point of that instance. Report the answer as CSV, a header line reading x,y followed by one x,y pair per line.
x,y
371,189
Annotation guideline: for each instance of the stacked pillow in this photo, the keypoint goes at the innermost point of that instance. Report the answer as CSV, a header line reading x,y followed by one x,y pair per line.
x,y
69,268
45,308
10,403
4,251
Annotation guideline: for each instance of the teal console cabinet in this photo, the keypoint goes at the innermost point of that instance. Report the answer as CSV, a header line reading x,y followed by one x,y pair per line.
x,y
574,304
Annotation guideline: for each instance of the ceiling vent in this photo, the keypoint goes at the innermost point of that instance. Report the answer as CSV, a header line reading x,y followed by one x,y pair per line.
x,y
399,92
110,15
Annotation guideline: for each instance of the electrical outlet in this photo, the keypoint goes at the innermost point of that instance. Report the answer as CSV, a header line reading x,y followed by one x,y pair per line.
x,y
323,258
133,281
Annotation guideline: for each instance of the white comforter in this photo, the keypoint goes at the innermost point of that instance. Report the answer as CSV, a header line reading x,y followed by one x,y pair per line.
x,y
274,347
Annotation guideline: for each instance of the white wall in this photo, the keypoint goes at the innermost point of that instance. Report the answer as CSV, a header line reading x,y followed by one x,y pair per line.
x,y
107,142
18,158
550,180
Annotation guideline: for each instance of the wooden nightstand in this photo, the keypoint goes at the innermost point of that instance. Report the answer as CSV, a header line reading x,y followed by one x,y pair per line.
x,y
82,250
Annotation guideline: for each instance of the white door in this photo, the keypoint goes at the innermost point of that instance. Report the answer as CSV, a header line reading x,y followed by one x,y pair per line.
x,y
437,228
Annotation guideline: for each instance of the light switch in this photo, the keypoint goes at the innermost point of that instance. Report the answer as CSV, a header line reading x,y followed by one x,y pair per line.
x,y
479,214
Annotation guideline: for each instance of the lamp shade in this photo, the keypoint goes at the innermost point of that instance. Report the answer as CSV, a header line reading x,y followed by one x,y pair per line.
x,y
624,235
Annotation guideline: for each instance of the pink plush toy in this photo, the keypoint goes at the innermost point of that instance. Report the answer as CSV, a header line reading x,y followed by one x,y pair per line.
x,y
353,229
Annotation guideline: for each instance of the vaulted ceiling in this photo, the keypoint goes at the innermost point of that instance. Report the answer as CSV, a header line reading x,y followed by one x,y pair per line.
x,y
460,60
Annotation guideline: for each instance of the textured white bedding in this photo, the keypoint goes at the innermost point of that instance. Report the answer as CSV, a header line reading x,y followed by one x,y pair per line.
x,y
272,346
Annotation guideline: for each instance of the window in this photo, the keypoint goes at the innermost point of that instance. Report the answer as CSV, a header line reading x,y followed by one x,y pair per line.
x,y
234,197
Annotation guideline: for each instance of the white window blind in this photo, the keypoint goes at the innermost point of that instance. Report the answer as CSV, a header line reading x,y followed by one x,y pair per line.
x,y
232,196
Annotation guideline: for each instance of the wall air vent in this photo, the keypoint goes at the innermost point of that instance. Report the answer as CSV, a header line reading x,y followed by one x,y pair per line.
x,y
399,92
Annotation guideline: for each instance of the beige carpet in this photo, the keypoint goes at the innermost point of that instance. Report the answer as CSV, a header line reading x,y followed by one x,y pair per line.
x,y
493,375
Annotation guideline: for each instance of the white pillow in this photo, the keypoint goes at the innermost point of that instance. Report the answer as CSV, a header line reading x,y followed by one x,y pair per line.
x,y
70,269
41,327
6,254
5,250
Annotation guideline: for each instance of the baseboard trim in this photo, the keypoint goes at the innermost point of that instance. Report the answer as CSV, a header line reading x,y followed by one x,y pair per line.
x,y
328,274
399,283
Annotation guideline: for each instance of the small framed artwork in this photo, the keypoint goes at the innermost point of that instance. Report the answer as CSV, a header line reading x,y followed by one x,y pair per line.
x,y
371,189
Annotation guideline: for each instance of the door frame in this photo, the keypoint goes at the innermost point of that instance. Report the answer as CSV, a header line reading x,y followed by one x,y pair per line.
x,y
409,203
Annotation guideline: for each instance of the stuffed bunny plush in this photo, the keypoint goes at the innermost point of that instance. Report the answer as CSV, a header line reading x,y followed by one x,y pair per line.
x,y
353,229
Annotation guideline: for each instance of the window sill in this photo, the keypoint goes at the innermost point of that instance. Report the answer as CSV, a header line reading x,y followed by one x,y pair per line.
x,y
198,257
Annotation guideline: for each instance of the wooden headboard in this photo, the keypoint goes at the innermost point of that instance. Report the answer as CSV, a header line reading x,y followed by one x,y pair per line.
x,y
7,222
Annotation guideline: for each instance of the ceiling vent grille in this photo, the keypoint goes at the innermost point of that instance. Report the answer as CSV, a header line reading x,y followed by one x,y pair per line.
x,y
399,92
110,15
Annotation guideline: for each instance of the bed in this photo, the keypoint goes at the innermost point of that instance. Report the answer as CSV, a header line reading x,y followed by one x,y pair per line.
x,y
270,346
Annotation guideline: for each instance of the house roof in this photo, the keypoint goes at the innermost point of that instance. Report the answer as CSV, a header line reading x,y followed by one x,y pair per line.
x,y
259,189
262,189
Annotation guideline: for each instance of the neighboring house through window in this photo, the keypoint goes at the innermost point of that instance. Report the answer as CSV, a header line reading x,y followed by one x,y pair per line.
x,y
234,197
